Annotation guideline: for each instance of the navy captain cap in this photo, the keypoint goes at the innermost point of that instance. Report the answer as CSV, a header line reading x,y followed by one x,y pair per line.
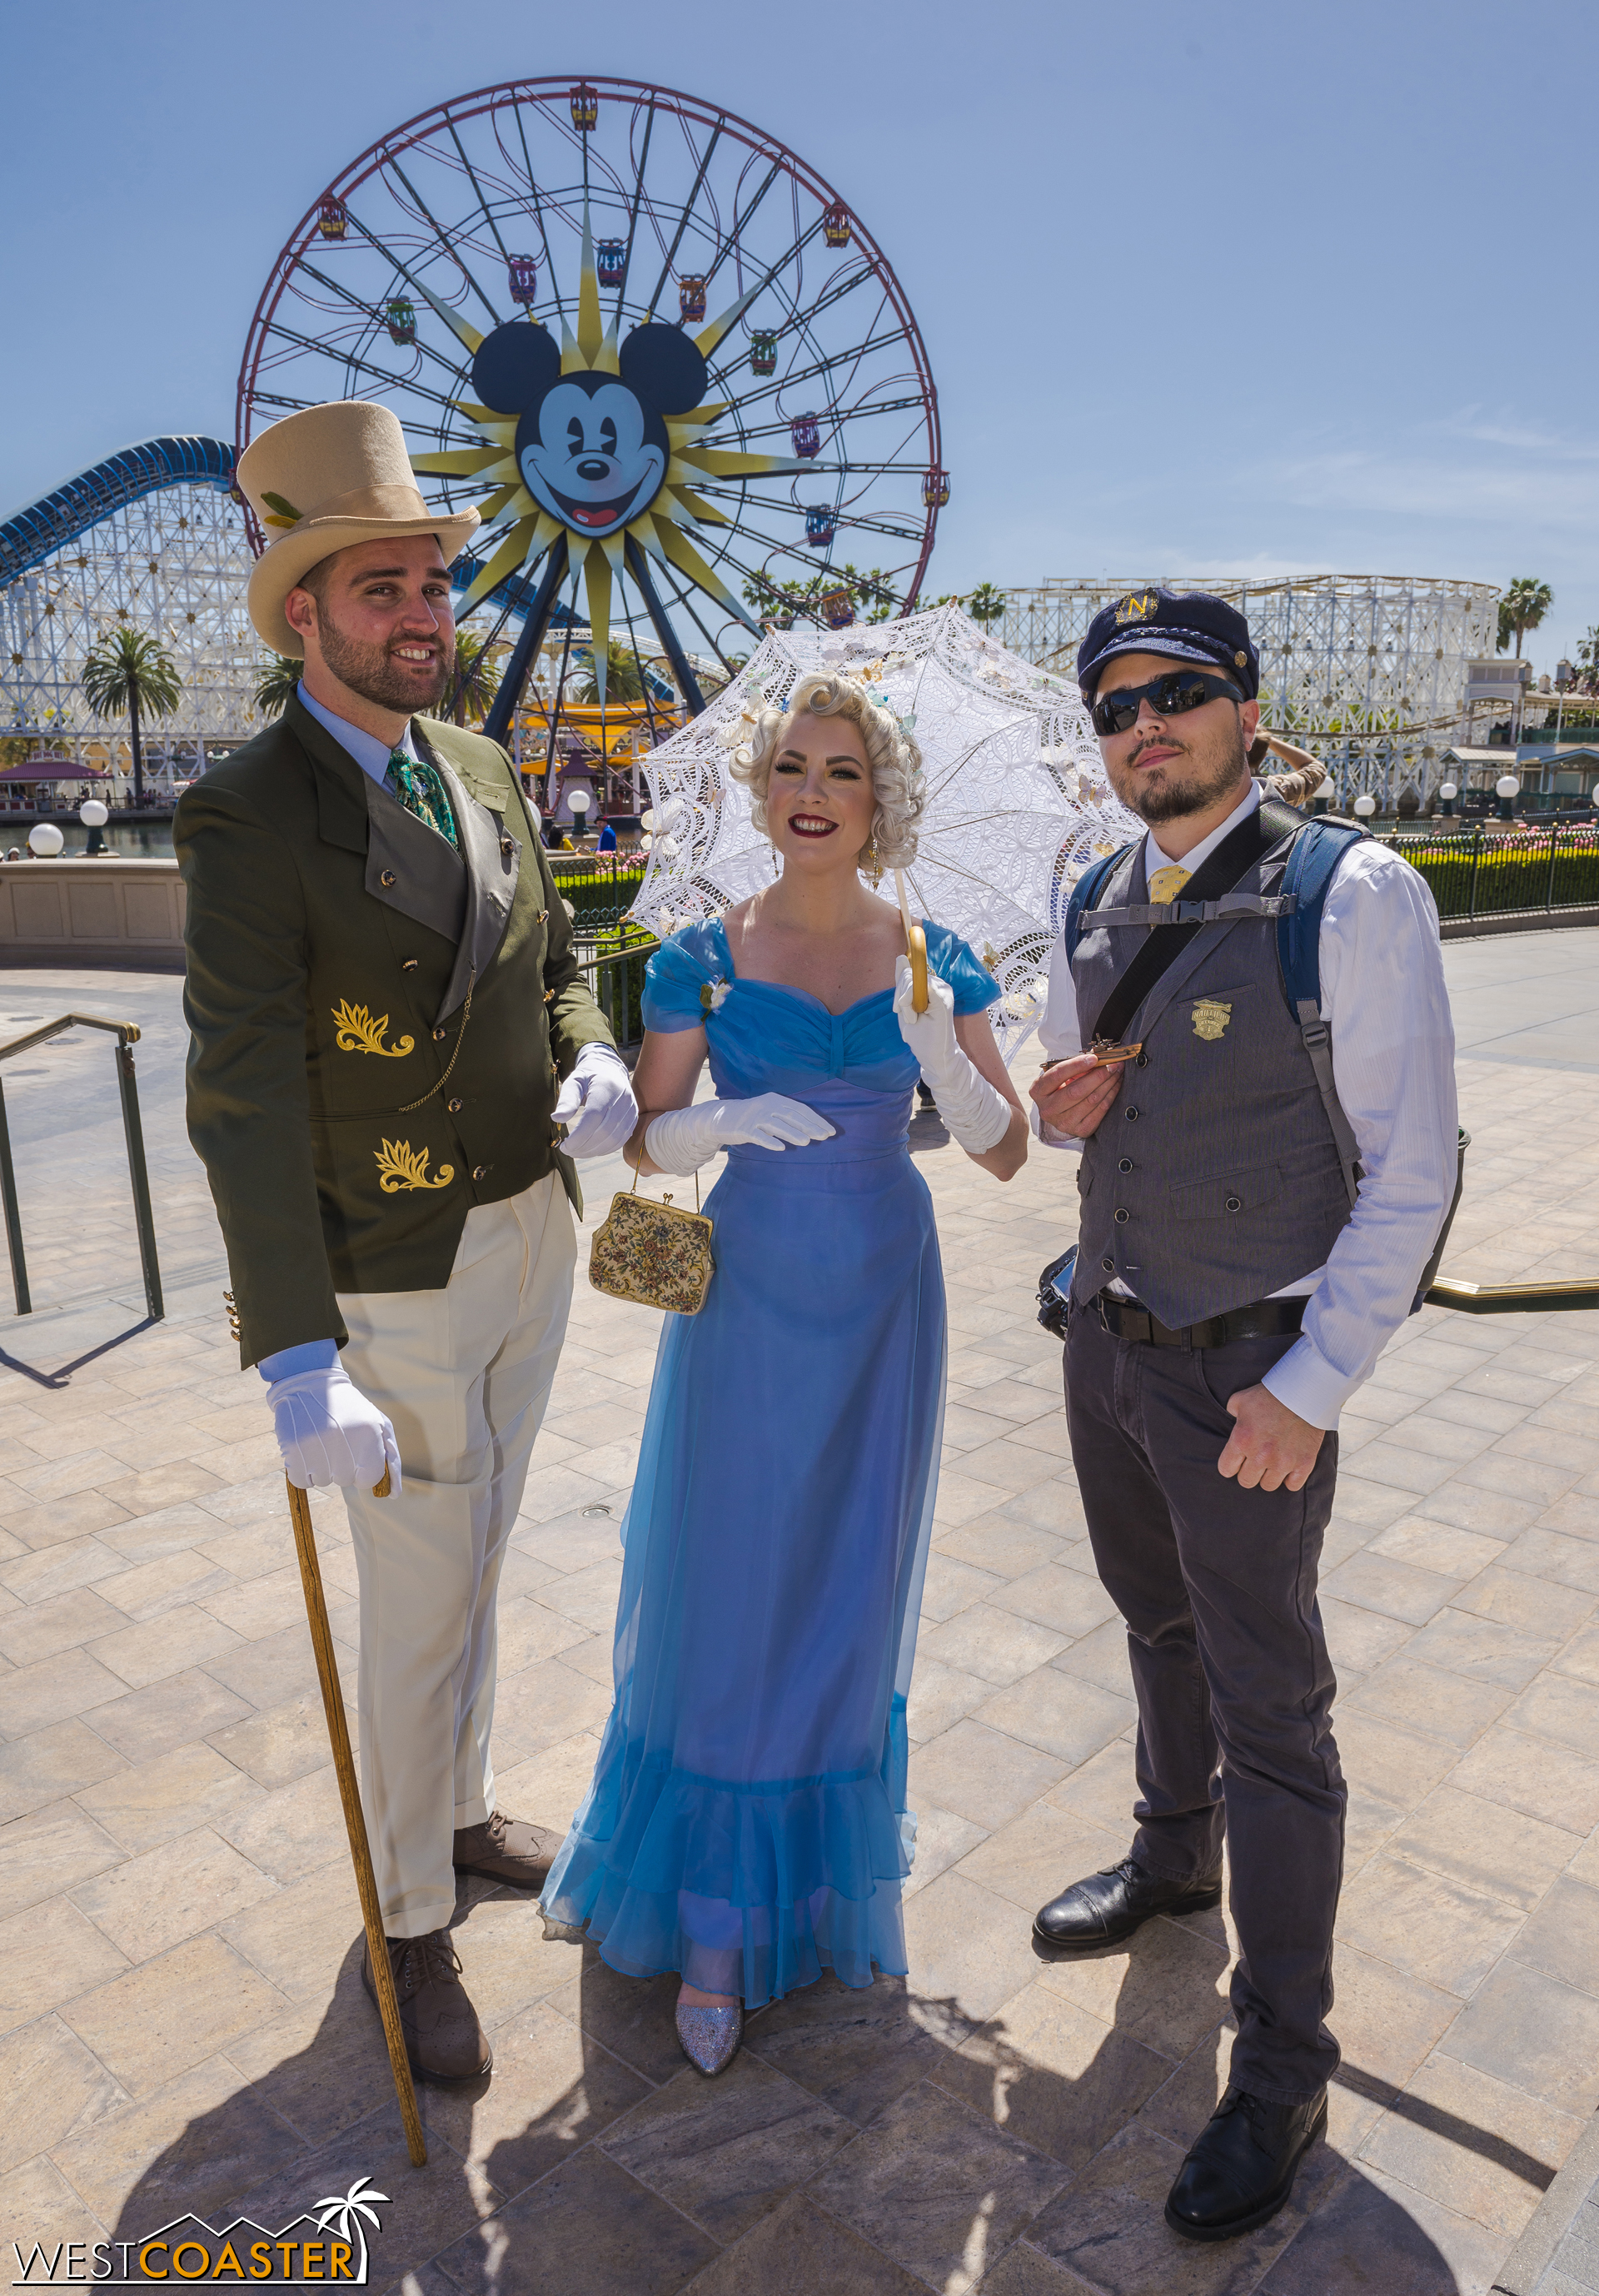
x,y
1187,625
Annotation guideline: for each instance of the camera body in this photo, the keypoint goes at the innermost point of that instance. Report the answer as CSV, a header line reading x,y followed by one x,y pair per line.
x,y
1055,1292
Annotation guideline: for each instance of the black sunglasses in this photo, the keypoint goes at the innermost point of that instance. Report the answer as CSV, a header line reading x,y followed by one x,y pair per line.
x,y
1168,696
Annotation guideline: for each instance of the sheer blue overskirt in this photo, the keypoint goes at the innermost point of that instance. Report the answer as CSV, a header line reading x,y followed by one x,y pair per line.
x,y
747,1824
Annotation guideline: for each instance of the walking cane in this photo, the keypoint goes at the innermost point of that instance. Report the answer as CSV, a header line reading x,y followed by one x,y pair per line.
x,y
349,1793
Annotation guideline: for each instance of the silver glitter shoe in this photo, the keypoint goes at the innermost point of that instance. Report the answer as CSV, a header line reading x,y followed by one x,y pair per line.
x,y
709,2036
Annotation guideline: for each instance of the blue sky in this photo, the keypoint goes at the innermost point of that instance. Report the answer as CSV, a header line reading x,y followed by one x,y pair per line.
x,y
1244,288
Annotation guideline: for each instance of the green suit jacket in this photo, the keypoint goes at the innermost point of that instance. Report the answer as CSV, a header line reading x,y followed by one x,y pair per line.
x,y
378,1024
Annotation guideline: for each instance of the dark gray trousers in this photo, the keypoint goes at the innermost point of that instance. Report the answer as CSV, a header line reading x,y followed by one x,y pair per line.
x,y
1235,1686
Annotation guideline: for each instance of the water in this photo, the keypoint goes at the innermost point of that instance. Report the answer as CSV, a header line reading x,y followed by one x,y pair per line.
x,y
129,840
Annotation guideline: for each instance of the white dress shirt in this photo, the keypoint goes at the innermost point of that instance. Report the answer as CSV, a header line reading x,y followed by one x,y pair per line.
x,y
1383,997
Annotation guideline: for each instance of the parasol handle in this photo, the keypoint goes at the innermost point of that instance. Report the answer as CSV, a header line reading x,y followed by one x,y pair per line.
x,y
915,941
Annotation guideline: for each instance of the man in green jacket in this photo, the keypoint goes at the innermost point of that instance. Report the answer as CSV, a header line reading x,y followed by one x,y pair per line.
x,y
389,1030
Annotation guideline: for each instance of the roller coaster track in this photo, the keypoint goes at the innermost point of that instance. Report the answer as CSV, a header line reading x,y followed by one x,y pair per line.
x,y
29,536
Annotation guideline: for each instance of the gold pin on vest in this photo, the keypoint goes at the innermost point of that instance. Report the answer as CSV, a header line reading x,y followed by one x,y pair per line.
x,y
1211,1018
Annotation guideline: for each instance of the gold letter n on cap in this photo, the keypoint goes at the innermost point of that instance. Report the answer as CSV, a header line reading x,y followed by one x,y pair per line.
x,y
1137,606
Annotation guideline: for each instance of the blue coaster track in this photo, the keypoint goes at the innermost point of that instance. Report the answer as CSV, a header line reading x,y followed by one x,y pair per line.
x,y
29,536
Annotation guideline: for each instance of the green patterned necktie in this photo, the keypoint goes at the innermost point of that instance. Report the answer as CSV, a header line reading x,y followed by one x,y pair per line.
x,y
421,791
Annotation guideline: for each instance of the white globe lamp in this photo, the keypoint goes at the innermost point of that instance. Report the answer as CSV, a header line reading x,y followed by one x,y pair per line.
x,y
44,840
1365,805
580,802
1506,789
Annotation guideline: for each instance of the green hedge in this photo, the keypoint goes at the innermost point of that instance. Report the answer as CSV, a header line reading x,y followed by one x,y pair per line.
x,y
1469,876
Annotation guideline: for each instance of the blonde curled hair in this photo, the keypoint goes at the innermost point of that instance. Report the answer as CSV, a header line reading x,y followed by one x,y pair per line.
x,y
892,757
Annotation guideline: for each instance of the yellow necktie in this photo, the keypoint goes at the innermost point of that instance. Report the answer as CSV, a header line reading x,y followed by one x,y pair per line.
x,y
1165,884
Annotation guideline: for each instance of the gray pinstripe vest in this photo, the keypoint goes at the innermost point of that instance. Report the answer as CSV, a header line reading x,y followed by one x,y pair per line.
x,y
1213,1179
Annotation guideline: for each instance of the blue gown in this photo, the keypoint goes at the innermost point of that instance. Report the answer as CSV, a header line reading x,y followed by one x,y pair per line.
x,y
747,1821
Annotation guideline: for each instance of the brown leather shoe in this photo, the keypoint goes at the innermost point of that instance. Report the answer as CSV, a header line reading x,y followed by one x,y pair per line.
x,y
444,2040
507,1849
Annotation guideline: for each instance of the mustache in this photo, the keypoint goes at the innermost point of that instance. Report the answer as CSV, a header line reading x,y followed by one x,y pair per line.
x,y
1158,741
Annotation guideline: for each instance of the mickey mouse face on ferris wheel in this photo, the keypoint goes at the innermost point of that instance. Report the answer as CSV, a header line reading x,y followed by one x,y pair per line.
x,y
592,449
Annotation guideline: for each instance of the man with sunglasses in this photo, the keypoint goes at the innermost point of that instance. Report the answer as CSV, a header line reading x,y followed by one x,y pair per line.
x,y
1241,1262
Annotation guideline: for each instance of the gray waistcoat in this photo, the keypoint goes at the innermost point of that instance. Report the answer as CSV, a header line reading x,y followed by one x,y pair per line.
x,y
1214,1178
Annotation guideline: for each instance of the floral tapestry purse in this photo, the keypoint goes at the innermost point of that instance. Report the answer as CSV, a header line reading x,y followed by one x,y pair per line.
x,y
653,1254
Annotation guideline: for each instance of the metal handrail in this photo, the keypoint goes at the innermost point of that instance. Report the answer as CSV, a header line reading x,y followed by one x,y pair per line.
x,y
127,1033
613,995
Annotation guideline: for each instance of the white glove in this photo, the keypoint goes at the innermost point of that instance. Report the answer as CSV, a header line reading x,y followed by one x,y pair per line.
x,y
684,1138
974,1114
596,1103
328,1432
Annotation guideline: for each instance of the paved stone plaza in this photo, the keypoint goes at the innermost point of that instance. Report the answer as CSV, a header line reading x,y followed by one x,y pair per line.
x,y
179,1933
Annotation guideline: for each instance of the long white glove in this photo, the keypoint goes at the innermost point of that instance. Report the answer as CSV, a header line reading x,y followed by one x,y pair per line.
x,y
974,1114
596,1103
684,1138
328,1432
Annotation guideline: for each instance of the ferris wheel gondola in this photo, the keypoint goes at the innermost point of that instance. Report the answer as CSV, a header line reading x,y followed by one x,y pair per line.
x,y
660,355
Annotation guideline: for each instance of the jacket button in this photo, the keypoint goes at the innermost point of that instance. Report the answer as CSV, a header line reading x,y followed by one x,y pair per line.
x,y
438,1035
1125,1164
454,1108
409,964
482,1171
387,878
1109,1266
507,847
1142,1059
1234,1203
1131,1114
1122,1216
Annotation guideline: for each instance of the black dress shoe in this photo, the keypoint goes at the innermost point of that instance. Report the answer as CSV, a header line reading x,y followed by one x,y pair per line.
x,y
1109,1906
1242,2168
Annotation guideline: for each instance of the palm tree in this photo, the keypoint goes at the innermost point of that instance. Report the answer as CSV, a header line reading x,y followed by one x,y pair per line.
x,y
622,679
1588,657
276,679
1521,608
986,604
477,679
347,2216
126,671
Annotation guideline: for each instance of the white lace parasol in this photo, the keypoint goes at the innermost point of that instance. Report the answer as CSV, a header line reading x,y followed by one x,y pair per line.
x,y
1017,801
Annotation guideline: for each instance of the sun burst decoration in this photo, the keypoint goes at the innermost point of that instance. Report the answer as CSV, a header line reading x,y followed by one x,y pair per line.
x,y
600,442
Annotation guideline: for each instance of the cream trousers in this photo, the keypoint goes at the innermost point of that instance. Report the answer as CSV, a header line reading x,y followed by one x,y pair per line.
x,y
464,1374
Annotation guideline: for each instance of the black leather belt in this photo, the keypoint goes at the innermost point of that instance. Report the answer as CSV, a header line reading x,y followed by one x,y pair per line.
x,y
1262,1319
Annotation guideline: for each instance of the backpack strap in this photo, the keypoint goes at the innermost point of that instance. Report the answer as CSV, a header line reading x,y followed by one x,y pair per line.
x,y
1085,895
1317,851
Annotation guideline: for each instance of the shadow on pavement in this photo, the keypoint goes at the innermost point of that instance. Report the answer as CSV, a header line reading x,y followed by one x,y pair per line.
x,y
865,2144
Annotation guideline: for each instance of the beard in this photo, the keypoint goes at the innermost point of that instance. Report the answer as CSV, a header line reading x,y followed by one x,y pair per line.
x,y
370,671
1187,785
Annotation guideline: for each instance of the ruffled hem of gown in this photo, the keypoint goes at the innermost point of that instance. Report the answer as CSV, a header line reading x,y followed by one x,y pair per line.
x,y
788,1877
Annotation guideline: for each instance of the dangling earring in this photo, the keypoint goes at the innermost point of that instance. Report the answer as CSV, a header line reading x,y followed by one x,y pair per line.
x,y
871,861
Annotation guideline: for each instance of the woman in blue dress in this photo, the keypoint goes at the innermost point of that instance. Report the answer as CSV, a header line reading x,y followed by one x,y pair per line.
x,y
747,1822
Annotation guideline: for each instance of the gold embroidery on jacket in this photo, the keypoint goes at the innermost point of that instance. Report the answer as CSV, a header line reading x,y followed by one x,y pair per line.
x,y
1211,1018
405,1167
358,1032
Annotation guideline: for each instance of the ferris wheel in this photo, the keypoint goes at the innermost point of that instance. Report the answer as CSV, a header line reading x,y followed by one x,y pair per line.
x,y
666,362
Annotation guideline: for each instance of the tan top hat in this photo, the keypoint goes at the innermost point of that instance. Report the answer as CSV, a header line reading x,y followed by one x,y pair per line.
x,y
322,479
